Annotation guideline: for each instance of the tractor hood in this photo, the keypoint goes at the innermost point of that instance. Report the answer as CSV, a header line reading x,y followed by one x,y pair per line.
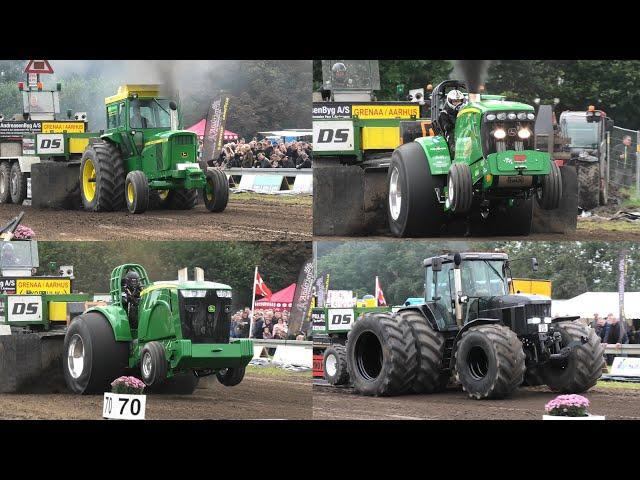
x,y
515,310
498,106
171,150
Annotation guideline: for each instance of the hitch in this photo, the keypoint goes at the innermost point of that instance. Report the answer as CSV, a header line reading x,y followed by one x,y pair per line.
x,y
560,359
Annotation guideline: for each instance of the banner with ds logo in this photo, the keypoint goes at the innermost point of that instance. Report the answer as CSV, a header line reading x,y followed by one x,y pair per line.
x,y
24,308
331,136
47,143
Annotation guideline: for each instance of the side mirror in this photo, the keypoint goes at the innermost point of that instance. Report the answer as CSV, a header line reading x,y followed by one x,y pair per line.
x,y
173,106
69,113
534,264
463,299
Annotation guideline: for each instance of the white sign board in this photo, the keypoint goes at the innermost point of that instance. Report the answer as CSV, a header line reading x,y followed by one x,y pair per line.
x,y
340,299
50,143
121,406
294,355
340,318
24,308
626,367
332,136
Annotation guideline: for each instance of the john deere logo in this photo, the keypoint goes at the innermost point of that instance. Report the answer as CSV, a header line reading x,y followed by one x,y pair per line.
x,y
184,154
212,309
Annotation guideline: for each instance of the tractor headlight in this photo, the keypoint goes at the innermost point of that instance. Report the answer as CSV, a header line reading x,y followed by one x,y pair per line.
x,y
491,117
512,116
547,319
193,293
531,116
223,293
522,116
524,133
499,133
533,320
501,116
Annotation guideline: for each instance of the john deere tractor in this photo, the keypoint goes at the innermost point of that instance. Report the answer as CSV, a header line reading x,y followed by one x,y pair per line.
x,y
142,159
172,333
470,327
488,171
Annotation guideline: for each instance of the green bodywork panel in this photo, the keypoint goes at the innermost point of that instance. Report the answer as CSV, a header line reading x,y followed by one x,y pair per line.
x,y
437,152
535,163
489,105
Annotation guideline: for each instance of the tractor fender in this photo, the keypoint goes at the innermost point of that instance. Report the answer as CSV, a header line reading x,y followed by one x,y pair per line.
x,y
117,318
465,327
566,318
431,315
437,153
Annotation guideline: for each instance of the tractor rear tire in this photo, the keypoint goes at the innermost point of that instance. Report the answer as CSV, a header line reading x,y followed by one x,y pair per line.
x,y
217,200
533,377
159,199
430,349
102,166
489,361
413,208
381,355
153,365
460,188
230,377
90,339
334,365
588,185
137,192
183,199
5,182
18,184
585,362
549,196
180,384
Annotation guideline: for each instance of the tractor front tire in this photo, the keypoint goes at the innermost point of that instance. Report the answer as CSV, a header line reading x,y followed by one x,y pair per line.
x,y
584,365
93,358
18,184
159,199
489,361
381,355
548,197
413,208
183,199
334,365
216,200
460,188
5,182
102,178
153,365
430,349
137,191
588,185
230,377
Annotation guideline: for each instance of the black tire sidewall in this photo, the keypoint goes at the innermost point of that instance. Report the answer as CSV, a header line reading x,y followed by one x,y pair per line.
x,y
78,385
158,374
342,373
20,193
5,168
140,185
231,377
220,191
470,340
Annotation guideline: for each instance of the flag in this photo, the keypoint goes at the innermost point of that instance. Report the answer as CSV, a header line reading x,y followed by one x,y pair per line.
x,y
261,287
379,295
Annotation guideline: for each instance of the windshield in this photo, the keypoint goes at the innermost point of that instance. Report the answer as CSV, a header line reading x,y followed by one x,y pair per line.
x,y
40,102
149,113
16,254
483,278
350,74
583,134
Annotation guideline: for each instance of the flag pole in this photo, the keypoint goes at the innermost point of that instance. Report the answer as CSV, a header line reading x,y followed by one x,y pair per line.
x,y
376,292
253,302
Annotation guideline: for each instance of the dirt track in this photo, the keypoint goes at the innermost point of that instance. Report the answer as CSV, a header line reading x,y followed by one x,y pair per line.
x,y
263,218
257,397
526,404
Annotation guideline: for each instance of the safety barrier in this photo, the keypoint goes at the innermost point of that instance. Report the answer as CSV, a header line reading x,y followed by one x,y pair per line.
x,y
295,352
271,180
628,349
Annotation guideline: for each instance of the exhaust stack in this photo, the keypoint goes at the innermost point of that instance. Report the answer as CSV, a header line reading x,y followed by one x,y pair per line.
x,y
474,97
183,275
199,274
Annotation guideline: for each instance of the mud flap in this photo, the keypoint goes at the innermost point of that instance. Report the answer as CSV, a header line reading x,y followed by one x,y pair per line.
x,y
31,363
347,199
563,219
56,185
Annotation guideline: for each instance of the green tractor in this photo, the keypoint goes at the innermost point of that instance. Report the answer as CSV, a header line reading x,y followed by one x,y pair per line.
x,y
471,327
143,160
173,332
486,169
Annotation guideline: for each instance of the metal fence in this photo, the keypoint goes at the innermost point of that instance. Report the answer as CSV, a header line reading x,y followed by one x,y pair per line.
x,y
624,171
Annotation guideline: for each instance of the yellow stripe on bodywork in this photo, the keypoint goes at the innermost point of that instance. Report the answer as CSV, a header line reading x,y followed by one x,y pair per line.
x,y
468,110
157,287
162,140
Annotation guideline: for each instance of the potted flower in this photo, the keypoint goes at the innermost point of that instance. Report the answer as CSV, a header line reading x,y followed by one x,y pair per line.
x,y
569,407
126,400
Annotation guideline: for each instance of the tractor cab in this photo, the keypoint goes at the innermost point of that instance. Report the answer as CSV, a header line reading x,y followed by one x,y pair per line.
x,y
586,130
350,80
19,258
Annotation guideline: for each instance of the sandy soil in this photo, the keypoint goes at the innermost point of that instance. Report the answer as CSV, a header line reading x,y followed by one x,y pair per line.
x,y
256,397
454,404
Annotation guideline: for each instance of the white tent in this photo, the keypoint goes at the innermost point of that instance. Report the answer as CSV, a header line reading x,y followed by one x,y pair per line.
x,y
603,303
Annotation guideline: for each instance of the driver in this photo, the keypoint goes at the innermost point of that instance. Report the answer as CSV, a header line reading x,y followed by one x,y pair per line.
x,y
9,258
131,293
339,75
447,119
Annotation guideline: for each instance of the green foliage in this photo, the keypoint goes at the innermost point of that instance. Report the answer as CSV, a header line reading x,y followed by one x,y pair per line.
x,y
232,263
573,267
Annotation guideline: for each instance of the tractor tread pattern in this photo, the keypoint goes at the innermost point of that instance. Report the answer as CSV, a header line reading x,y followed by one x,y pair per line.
x,y
588,185
510,359
342,373
110,192
183,199
551,189
462,183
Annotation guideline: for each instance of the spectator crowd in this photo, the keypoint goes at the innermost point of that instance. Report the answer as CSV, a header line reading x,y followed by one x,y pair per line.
x,y
613,331
264,154
269,324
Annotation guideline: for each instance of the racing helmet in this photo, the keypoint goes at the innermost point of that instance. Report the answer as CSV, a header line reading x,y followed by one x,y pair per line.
x,y
339,71
455,100
132,279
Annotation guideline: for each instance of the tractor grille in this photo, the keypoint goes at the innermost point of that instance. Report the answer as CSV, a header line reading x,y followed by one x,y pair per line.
x,y
183,139
159,157
539,310
510,142
201,326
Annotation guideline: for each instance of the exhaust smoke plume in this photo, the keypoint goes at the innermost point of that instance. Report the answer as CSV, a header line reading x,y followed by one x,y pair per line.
x,y
473,72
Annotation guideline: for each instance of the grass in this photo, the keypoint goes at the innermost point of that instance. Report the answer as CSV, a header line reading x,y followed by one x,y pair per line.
x,y
587,225
614,385
631,198
265,198
275,372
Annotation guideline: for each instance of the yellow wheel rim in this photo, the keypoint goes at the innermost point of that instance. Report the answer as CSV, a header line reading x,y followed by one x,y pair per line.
x,y
210,196
130,193
89,180
163,194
